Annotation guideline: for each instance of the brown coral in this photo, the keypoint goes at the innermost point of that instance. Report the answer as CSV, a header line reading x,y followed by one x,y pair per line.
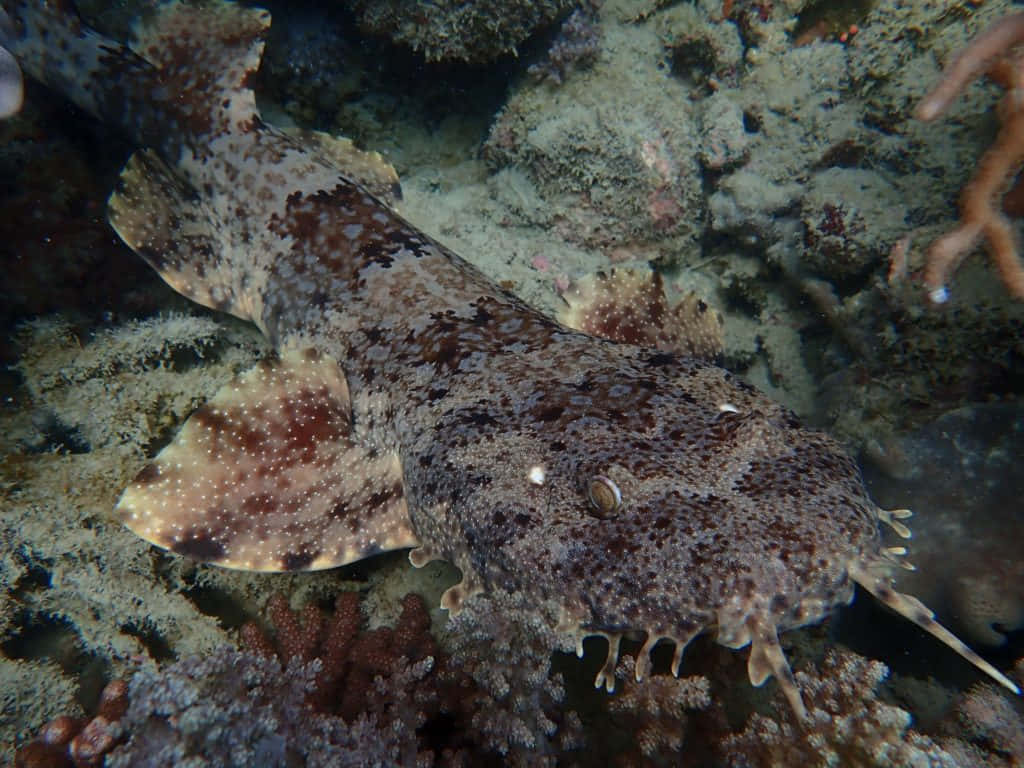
x,y
995,53
990,721
397,674
68,742
653,710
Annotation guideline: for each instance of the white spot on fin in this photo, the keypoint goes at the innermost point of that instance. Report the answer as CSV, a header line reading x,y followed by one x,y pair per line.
x,y
266,477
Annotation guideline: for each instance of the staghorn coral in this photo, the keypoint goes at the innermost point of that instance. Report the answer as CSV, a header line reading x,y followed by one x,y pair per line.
x,y
847,725
995,53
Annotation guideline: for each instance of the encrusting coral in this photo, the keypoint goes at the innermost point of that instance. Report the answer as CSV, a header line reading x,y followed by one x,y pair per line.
x,y
995,53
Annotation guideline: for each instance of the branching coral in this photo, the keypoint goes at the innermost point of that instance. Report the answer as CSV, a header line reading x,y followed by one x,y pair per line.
x,y
518,706
395,675
318,691
995,53
239,709
653,710
847,725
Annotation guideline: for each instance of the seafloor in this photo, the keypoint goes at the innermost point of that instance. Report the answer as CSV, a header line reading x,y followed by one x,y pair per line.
x,y
762,154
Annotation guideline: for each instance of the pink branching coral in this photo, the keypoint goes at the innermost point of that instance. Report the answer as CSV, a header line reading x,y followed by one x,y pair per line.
x,y
362,671
995,53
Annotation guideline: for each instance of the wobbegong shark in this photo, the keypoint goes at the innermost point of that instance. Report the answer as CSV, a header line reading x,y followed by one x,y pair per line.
x,y
412,403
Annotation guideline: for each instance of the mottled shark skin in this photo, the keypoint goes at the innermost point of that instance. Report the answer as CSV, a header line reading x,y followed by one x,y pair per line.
x,y
414,403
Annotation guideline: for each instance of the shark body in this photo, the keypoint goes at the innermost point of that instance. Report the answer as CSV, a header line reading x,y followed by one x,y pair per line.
x,y
415,404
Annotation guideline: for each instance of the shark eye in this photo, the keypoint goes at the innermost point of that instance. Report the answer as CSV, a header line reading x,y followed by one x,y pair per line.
x,y
604,495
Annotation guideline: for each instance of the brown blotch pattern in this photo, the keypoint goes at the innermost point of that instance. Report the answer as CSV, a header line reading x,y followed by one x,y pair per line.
x,y
629,306
266,477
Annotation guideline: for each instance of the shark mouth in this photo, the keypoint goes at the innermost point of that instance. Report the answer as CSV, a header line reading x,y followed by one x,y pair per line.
x,y
755,625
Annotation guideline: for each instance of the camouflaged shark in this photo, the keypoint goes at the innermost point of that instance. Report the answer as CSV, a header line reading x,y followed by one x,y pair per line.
x,y
415,404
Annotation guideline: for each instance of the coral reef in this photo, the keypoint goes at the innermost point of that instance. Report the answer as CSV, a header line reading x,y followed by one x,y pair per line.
x,y
847,725
75,587
518,708
699,138
615,162
653,711
359,671
991,724
476,31
993,53
230,708
577,45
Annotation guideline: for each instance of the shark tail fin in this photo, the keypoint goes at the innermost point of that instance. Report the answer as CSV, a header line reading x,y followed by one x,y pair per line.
x,y
170,206
52,45
205,55
185,78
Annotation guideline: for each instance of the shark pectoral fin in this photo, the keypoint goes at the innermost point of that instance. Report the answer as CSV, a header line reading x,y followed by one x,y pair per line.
x,y
266,477
160,217
630,306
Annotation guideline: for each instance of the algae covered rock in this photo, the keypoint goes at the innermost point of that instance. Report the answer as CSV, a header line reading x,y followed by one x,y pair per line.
x,y
476,31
